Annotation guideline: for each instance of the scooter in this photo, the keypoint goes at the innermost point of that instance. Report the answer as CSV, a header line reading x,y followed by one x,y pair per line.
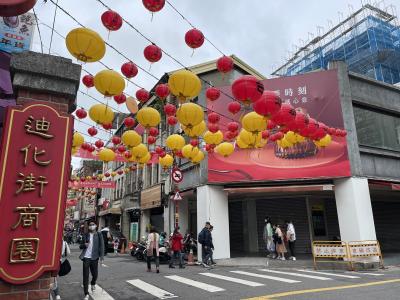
x,y
140,252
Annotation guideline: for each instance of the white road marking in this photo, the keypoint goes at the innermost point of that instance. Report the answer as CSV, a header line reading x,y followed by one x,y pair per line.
x,y
296,274
364,273
151,289
266,277
204,286
233,279
104,265
329,274
100,294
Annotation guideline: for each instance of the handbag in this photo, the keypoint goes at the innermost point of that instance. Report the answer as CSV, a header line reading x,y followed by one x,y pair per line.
x,y
65,266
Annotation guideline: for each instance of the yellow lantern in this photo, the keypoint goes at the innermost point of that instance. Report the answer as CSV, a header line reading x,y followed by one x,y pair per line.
x,y
261,143
166,161
283,143
213,138
139,151
101,114
100,176
109,83
241,144
189,152
131,138
324,142
225,149
300,138
249,138
74,150
113,174
148,117
195,131
184,84
175,142
291,137
190,114
85,45
106,155
254,122
77,140
198,158
145,159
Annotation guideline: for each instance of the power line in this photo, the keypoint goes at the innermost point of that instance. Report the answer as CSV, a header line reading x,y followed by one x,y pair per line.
x,y
52,28
40,34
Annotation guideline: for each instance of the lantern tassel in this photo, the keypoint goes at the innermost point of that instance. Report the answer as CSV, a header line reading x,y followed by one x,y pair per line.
x,y
152,15
192,53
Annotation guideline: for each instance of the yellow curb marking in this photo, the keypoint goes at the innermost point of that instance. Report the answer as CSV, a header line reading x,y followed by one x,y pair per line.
x,y
333,288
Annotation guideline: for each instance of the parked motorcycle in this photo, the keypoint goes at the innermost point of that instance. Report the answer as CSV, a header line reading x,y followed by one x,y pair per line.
x,y
140,252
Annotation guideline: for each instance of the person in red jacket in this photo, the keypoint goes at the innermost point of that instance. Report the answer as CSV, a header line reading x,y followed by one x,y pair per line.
x,y
176,247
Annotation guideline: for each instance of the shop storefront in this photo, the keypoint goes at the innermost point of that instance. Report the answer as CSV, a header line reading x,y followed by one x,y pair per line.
x,y
152,209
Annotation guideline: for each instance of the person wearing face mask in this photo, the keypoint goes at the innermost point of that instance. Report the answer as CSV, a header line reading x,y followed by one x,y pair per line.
x,y
92,246
267,236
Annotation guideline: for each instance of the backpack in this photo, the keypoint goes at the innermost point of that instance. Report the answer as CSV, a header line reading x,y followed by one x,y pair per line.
x,y
200,238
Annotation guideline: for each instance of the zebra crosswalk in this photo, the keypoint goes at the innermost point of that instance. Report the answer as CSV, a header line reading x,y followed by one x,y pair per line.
x,y
157,288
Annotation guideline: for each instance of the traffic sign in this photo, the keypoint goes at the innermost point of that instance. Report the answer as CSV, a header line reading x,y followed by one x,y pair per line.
x,y
177,175
177,196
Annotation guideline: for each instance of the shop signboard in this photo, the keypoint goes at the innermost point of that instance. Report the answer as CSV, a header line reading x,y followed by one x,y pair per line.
x,y
134,231
16,33
151,197
34,164
109,184
317,94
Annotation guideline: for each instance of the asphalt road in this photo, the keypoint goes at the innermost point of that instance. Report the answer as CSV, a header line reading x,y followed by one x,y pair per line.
x,y
122,277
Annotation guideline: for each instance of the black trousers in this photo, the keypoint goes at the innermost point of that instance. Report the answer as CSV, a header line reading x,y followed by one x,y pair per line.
x,y
156,258
93,266
292,248
206,254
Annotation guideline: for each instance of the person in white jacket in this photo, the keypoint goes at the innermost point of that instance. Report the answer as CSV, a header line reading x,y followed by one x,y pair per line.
x,y
291,237
65,251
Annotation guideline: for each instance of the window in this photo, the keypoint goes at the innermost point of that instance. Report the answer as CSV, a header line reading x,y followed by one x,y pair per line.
x,y
377,129
148,175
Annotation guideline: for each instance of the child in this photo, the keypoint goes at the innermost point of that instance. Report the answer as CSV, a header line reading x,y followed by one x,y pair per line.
x,y
116,244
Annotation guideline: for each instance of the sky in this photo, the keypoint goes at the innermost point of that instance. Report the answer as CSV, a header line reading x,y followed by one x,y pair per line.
x,y
260,32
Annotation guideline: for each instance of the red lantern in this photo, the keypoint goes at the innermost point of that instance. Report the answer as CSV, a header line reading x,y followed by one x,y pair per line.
x,y
225,64
85,146
111,20
121,149
107,174
247,89
107,126
91,148
153,131
162,91
268,105
151,140
213,117
169,109
194,38
271,124
142,95
209,148
120,172
233,126
194,142
88,81
265,134
285,115
319,133
133,168
179,153
343,133
152,53
128,154
172,120
81,113
92,131
159,150
99,144
213,127
234,107
212,93
129,122
129,69
154,5
162,154
301,121
229,135
116,140
120,98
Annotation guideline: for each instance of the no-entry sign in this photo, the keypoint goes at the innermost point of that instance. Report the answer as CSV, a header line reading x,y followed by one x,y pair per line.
x,y
177,175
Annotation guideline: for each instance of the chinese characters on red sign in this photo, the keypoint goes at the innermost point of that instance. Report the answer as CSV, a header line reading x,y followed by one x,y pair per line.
x,y
35,153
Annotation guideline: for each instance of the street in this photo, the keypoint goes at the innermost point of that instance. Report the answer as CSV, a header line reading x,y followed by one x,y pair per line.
x,y
123,277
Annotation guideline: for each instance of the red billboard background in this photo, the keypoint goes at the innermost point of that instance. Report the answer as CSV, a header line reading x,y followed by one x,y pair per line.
x,y
318,95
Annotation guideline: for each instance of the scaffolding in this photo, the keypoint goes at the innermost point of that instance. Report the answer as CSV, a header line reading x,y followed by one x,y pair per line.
x,y
368,40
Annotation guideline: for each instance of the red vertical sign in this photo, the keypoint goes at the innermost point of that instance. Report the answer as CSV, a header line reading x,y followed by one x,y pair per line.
x,y
34,171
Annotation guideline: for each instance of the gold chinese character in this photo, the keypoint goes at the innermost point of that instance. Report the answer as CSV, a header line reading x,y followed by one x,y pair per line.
x,y
35,155
28,182
28,216
24,250
41,127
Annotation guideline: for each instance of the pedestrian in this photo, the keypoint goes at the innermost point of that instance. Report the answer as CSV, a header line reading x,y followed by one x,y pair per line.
x,y
106,238
267,236
92,250
65,251
212,262
116,245
177,247
205,240
153,241
291,237
280,243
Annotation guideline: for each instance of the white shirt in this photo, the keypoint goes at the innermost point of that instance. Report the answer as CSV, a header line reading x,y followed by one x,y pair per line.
x,y
65,251
290,230
88,253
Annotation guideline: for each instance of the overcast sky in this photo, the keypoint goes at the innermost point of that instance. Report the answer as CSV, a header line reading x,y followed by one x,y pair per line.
x,y
260,32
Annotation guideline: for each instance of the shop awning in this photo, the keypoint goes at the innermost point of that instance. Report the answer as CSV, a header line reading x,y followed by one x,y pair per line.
x,y
281,189
112,211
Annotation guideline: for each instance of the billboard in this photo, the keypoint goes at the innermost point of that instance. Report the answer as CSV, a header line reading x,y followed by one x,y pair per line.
x,y
16,33
318,95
